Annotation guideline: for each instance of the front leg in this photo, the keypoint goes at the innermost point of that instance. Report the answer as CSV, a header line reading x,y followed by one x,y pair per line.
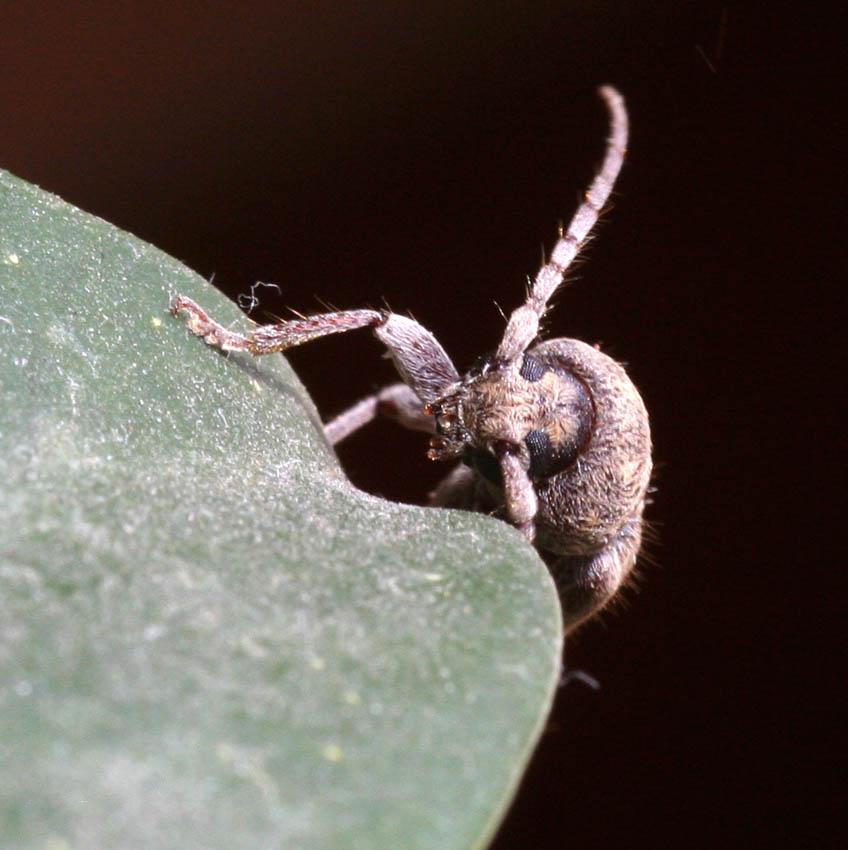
x,y
396,402
520,495
267,339
419,358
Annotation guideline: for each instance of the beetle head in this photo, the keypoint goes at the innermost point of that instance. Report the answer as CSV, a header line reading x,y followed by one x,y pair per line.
x,y
522,406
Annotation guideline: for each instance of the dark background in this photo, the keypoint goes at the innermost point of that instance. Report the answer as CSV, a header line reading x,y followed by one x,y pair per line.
x,y
421,154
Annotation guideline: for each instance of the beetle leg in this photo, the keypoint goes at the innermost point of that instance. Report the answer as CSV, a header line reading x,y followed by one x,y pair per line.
x,y
521,500
397,402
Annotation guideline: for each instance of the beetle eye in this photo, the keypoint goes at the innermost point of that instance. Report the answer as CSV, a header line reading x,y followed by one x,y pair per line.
x,y
532,369
545,459
556,446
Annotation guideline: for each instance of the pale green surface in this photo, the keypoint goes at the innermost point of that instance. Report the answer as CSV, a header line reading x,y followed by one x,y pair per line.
x,y
208,637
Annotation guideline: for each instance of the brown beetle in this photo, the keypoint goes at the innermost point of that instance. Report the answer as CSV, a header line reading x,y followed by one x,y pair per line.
x,y
554,438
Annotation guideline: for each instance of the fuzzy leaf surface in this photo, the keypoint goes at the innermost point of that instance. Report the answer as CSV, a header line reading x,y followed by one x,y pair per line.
x,y
208,637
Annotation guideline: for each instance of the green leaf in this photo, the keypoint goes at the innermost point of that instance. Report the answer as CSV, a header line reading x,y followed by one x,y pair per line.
x,y
208,637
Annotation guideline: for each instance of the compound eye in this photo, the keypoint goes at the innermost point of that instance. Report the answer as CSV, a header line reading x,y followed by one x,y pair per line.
x,y
556,446
545,459
532,369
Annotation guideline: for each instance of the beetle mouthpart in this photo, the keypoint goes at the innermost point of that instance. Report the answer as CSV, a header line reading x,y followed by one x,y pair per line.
x,y
438,448
445,447
451,433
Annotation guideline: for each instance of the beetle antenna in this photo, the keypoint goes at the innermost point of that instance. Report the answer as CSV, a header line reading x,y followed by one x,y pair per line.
x,y
523,325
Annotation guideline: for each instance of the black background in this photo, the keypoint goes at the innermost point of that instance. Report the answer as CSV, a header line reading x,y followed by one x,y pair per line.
x,y
420,155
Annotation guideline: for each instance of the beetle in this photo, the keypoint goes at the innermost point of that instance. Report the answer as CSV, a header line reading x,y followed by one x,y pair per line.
x,y
552,437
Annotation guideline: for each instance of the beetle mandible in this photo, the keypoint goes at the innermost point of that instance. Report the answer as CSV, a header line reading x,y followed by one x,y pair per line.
x,y
554,438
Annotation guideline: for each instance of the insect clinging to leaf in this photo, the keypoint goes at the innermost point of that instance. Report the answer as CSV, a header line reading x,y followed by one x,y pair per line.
x,y
551,436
